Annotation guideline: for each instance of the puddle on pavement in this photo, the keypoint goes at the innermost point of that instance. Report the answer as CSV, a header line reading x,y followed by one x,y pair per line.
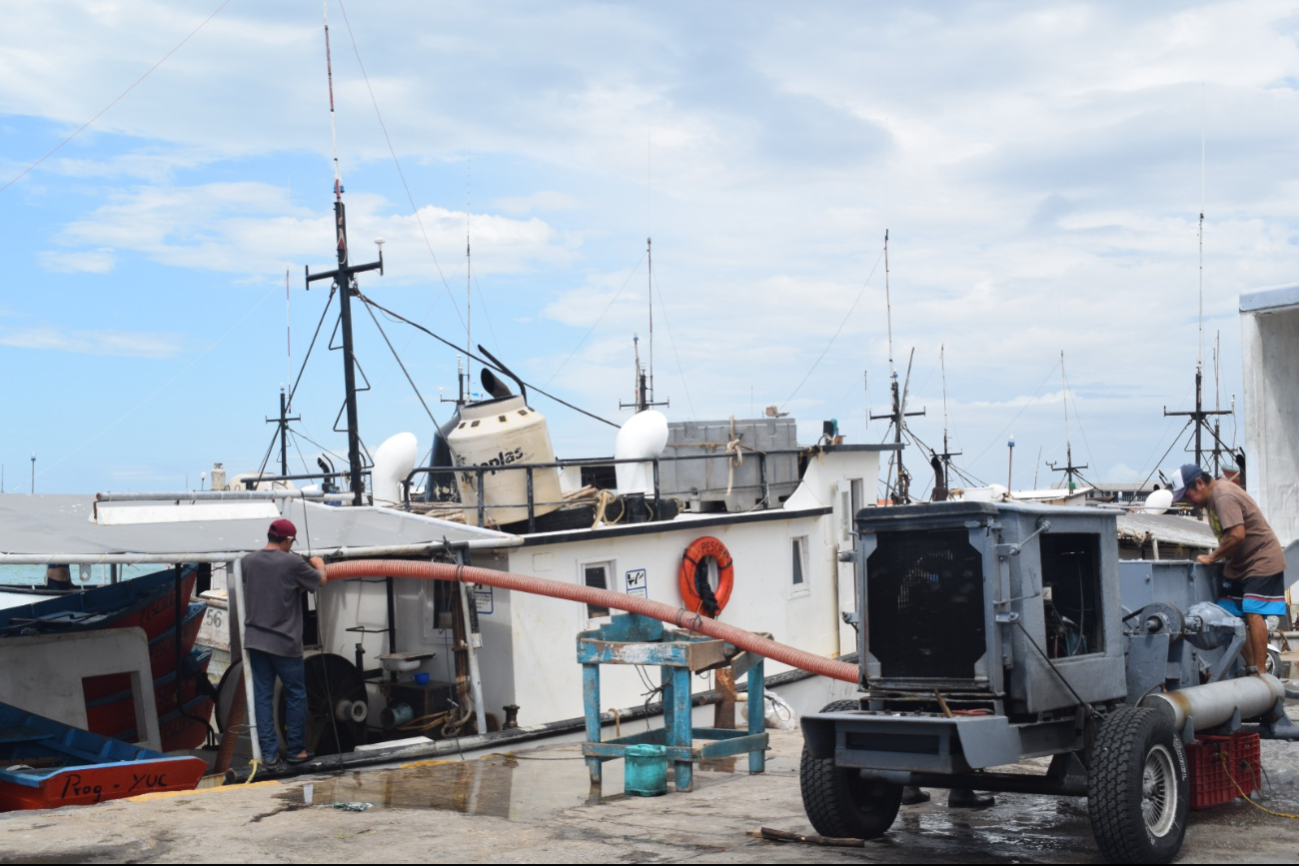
x,y
516,787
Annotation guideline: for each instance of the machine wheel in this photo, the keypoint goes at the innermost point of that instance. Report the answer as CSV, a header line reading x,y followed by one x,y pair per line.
x,y
839,802
330,679
1138,792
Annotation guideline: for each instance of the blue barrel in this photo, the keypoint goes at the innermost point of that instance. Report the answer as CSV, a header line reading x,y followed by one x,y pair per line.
x,y
647,770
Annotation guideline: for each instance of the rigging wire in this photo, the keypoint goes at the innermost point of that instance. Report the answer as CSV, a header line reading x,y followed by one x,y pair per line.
x,y
1000,436
401,174
839,330
413,386
400,318
116,99
138,406
288,403
591,330
663,308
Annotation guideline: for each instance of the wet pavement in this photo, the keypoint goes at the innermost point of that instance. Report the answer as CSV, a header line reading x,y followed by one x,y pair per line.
x,y
536,806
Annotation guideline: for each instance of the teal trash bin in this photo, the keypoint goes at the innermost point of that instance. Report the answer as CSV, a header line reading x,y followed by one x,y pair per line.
x,y
646,771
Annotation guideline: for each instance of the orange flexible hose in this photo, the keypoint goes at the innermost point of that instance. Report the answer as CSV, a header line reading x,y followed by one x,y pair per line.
x,y
676,616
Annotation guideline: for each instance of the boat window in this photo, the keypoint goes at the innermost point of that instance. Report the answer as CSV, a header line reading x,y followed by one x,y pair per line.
x,y
596,576
845,517
800,561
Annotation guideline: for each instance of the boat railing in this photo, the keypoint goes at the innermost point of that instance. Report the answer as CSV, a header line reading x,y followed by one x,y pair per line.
x,y
530,469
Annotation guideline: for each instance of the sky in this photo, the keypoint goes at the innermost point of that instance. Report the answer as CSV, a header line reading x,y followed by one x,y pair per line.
x,y
1040,170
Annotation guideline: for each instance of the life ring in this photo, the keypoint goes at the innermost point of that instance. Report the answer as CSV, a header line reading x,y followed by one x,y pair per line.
x,y
696,592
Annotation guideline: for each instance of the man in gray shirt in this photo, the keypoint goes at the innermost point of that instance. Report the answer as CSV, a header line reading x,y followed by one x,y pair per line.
x,y
274,580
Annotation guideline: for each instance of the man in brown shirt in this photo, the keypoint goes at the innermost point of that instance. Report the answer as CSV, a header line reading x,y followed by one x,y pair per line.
x,y
1254,585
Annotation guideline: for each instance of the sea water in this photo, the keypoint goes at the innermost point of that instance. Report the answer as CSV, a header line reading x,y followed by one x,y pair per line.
x,y
97,575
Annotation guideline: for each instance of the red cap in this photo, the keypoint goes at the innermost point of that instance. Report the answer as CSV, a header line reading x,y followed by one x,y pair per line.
x,y
283,529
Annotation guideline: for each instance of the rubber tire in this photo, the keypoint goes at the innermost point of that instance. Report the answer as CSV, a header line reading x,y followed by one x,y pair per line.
x,y
840,803
1114,786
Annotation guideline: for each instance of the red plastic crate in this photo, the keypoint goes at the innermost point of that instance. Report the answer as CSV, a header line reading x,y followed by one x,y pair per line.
x,y
1210,783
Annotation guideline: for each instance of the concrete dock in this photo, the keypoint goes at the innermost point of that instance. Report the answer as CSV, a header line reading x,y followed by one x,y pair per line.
x,y
534,806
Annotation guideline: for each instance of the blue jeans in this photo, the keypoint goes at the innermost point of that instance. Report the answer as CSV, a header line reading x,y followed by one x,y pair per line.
x,y
266,667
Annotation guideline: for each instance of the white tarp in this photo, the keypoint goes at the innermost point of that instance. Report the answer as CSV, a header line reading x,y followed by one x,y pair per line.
x,y
66,524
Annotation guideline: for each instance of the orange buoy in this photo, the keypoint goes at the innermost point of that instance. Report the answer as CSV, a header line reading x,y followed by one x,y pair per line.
x,y
696,593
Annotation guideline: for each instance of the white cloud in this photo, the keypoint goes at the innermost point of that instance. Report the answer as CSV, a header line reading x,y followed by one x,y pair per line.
x,y
120,343
1038,167
98,261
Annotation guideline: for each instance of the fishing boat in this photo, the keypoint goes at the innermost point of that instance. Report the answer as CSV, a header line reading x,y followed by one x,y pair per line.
x,y
45,764
149,603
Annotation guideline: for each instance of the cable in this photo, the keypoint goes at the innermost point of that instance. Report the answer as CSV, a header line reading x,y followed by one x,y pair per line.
x,y
400,318
672,341
1028,403
138,406
607,308
413,386
836,332
401,174
116,99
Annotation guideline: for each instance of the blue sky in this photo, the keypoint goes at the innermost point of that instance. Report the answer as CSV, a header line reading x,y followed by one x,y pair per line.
x,y
1038,167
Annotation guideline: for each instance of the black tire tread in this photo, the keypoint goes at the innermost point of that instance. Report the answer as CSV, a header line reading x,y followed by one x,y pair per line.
x,y
825,792
1119,830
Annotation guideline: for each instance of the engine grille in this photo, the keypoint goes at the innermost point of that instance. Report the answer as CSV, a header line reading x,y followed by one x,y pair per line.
x,y
925,601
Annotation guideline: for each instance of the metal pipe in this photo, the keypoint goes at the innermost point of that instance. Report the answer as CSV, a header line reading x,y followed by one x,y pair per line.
x,y
236,590
475,677
209,496
505,541
677,616
1213,704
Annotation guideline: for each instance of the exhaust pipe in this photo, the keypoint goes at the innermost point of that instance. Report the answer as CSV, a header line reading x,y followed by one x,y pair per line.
x,y
1213,704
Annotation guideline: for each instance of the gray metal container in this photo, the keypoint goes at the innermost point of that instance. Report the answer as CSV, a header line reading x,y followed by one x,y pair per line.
x,y
703,483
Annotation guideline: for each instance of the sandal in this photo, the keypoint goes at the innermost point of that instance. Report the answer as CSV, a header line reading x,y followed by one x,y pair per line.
x,y
272,764
300,759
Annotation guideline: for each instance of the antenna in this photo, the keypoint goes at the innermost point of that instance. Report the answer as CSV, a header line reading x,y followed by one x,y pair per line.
x,y
888,303
333,126
469,265
649,267
1199,358
288,330
344,281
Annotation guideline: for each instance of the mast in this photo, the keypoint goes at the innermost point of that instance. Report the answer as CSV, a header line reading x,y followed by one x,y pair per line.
x,y
644,383
283,422
897,418
943,462
1069,469
344,281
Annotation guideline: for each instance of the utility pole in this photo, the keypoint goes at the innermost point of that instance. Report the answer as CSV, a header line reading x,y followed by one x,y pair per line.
x,y
283,422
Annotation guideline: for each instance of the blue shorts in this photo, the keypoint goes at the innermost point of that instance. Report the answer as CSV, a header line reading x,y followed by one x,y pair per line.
x,y
1264,596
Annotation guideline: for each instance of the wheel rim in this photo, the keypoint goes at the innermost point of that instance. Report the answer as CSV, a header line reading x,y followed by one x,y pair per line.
x,y
1158,792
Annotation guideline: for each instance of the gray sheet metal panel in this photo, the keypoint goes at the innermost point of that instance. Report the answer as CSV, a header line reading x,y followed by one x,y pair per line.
x,y
1179,582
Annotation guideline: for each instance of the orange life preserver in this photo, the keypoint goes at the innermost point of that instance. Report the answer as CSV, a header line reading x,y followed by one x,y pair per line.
x,y
693,578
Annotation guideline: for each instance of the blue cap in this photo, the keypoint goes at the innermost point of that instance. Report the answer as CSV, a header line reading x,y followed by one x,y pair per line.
x,y
1183,478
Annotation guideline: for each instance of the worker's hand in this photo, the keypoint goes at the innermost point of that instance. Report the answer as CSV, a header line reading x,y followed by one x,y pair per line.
x,y
318,564
1204,559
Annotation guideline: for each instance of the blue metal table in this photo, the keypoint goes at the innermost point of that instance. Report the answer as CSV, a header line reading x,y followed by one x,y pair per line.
x,y
636,640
